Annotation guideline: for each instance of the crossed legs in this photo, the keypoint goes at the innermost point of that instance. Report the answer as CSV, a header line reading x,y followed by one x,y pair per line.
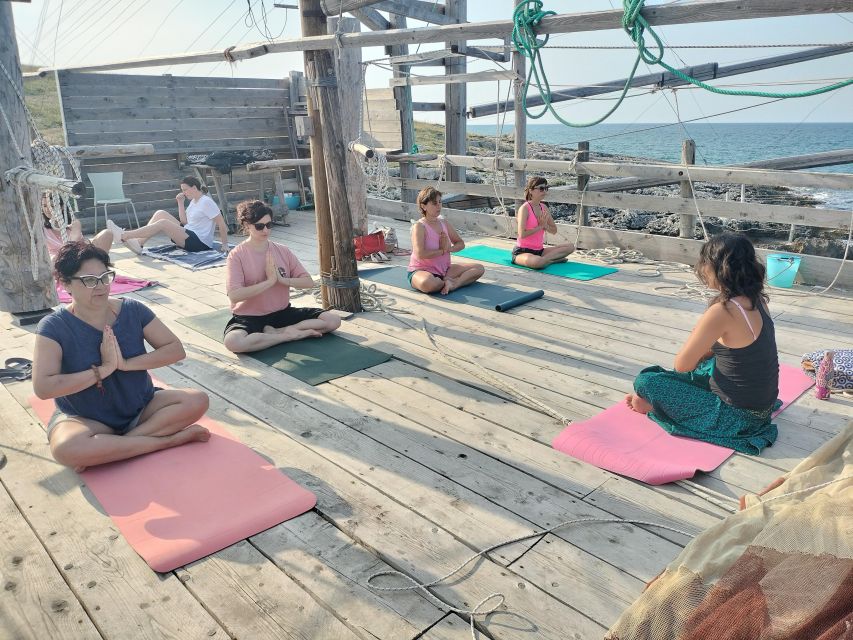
x,y
239,341
550,255
458,275
167,421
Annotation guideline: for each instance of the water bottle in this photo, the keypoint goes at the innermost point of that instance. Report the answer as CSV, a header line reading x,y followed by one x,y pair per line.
x,y
824,376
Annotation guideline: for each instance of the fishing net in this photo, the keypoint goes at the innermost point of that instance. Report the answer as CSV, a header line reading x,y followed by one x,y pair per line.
x,y
780,569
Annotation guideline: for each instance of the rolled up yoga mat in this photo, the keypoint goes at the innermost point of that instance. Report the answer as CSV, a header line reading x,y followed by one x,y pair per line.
x,y
181,504
506,305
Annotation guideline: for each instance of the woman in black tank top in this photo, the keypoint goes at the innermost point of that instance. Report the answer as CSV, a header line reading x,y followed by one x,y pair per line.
x,y
724,385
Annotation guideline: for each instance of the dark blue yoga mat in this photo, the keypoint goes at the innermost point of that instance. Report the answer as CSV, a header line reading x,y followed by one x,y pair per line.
x,y
194,260
480,294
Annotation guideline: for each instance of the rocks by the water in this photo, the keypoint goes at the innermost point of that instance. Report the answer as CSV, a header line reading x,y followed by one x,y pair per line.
x,y
811,240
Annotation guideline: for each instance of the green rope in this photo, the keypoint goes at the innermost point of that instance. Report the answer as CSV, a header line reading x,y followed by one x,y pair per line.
x,y
529,13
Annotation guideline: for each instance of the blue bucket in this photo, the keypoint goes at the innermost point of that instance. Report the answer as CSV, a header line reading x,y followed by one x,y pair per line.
x,y
292,201
782,269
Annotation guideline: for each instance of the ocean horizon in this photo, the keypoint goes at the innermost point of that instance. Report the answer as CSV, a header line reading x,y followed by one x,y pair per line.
x,y
716,144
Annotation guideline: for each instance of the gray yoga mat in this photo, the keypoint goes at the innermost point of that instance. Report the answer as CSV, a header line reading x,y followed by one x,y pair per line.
x,y
480,294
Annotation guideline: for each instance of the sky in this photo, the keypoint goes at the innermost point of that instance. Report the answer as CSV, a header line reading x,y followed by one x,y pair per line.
x,y
67,33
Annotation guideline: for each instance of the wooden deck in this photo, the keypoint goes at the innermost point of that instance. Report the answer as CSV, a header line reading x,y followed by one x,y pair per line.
x,y
415,464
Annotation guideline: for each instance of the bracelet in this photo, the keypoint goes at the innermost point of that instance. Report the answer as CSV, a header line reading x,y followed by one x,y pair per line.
x,y
99,383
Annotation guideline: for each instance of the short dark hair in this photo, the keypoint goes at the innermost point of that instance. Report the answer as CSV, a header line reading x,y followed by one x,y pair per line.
x,y
250,211
72,254
192,181
731,258
426,195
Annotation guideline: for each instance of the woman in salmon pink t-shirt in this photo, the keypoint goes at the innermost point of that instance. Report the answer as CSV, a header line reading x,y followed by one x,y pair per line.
x,y
258,281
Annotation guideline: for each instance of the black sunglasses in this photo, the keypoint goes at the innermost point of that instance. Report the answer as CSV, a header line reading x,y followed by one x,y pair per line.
x,y
260,226
90,282
543,187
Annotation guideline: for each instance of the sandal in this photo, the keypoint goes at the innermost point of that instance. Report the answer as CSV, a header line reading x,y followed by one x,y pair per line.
x,y
17,369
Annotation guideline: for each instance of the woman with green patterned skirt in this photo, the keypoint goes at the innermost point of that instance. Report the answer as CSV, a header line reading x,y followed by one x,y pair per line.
x,y
725,383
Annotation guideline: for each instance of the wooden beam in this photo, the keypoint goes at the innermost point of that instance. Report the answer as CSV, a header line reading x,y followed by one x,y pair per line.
x,y
583,181
27,177
669,14
21,291
437,56
278,165
704,72
456,93
429,12
336,7
687,221
350,95
461,78
323,88
371,19
484,53
670,173
87,152
813,269
428,106
805,216
519,66
411,157
403,95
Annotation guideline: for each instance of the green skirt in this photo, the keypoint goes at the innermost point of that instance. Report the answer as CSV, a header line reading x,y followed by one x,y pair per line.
x,y
684,405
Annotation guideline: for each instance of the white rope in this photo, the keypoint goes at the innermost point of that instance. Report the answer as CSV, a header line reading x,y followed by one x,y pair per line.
x,y
479,609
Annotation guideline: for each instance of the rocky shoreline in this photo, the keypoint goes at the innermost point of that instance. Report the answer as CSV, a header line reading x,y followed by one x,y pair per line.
x,y
769,235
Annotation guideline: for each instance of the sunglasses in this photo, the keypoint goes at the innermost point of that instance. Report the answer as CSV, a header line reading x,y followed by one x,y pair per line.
x,y
260,226
543,188
90,282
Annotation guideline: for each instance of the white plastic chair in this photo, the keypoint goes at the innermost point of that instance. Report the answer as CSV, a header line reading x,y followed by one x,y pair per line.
x,y
109,190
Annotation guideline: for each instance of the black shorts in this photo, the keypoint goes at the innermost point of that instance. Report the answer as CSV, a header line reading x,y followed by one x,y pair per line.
x,y
193,244
277,319
516,250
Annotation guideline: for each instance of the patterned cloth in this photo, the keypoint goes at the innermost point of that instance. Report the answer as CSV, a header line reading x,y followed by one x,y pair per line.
x,y
841,377
782,569
684,405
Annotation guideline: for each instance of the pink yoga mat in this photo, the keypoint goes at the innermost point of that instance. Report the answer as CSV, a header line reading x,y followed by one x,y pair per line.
x,y
122,284
630,444
178,505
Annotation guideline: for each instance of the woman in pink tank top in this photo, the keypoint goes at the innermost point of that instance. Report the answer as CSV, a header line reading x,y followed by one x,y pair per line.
x,y
534,220
433,240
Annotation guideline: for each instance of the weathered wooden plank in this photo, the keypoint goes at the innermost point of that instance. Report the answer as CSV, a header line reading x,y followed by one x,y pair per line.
x,y
118,590
213,98
429,12
252,598
693,12
451,627
180,112
69,80
248,123
460,78
177,136
335,568
36,602
808,216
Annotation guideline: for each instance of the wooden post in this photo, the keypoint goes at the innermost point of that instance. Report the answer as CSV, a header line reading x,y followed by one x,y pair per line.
x,y
351,95
323,91
583,180
20,293
403,96
314,25
519,65
687,222
455,96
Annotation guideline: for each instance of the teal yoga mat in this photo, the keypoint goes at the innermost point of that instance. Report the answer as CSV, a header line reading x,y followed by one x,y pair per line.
x,y
573,270
480,294
313,360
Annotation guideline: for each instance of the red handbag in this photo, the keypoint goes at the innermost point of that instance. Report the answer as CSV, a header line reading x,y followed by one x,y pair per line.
x,y
369,244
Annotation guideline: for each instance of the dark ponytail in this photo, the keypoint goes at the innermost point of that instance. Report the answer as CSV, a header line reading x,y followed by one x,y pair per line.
x,y
192,181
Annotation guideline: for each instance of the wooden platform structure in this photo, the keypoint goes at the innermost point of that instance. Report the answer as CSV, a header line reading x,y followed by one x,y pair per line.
x,y
415,464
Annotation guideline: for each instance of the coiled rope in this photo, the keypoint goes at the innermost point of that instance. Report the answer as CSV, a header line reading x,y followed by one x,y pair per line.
x,y
529,13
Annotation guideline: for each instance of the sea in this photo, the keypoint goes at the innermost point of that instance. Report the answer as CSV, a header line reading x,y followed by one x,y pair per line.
x,y
716,144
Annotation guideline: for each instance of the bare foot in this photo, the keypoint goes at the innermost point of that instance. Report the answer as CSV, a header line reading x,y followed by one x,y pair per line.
x,y
193,433
290,334
270,329
637,403
449,285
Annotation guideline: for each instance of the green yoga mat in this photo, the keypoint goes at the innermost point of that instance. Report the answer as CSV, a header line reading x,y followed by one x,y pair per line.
x,y
313,360
573,270
480,294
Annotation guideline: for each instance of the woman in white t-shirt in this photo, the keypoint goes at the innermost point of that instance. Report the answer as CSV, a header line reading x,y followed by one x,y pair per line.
x,y
192,231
